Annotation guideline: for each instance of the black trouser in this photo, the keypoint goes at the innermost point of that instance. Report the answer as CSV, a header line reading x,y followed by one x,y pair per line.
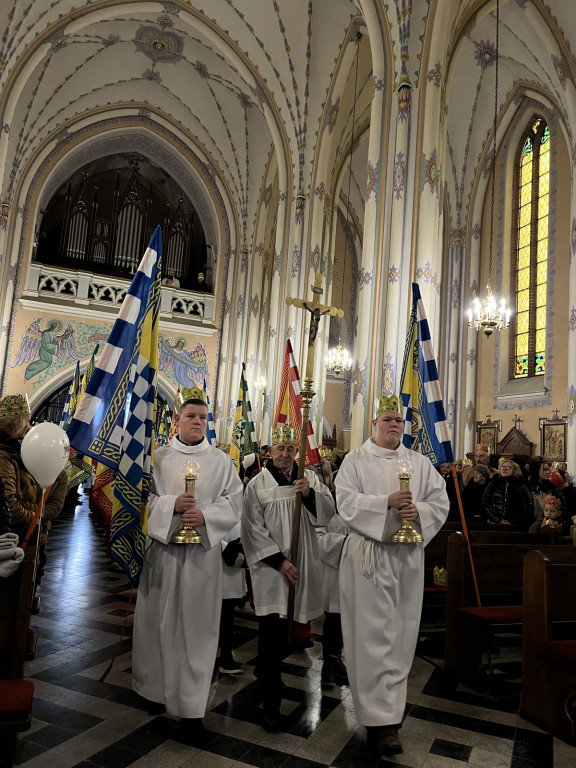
x,y
272,648
226,638
332,641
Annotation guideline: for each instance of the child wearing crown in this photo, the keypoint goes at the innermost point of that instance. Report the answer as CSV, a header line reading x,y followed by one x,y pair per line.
x,y
552,522
176,622
379,485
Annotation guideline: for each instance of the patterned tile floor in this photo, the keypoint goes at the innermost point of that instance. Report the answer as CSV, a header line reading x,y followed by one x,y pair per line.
x,y
82,723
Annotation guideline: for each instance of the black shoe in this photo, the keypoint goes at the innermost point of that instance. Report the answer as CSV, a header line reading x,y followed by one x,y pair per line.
x,y
227,666
383,740
152,707
306,643
271,721
334,671
192,731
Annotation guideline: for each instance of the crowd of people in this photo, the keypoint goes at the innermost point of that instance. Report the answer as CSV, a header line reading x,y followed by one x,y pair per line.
x,y
515,493
229,536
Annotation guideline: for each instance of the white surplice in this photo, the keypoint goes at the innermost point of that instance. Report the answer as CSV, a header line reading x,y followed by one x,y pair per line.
x,y
180,593
382,584
267,530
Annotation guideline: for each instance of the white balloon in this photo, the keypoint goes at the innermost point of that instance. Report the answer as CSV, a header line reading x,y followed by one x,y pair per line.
x,y
45,450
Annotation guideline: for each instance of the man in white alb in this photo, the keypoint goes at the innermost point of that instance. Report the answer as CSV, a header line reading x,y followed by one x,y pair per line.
x,y
381,583
266,537
180,593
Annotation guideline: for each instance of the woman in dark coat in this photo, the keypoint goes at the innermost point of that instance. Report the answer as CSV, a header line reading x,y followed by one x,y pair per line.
x,y
22,491
507,500
473,494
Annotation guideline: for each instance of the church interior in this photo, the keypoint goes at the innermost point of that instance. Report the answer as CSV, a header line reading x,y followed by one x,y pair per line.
x,y
359,146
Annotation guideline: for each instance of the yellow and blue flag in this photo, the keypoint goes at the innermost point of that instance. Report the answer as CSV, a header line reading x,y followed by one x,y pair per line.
x,y
210,429
80,469
243,434
425,426
114,420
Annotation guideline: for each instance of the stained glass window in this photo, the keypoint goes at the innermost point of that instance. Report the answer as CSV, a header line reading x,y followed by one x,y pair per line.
x,y
531,266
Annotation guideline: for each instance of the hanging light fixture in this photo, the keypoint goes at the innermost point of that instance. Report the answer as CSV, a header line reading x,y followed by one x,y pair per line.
x,y
339,359
487,314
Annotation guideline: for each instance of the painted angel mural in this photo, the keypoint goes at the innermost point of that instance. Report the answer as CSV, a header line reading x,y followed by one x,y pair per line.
x,y
189,367
39,347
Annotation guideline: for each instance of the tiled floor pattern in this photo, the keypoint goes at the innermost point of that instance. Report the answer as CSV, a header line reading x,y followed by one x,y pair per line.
x,y
80,722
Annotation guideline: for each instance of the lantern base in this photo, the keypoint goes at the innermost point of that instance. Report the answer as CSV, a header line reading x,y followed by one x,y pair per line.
x,y
406,534
186,535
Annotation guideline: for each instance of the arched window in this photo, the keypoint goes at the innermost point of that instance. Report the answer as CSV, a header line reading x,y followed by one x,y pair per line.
x,y
531,205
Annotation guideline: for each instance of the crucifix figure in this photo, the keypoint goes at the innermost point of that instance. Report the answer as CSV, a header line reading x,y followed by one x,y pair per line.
x,y
517,420
316,311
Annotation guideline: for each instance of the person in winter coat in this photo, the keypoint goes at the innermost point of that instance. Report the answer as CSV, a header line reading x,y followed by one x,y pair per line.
x,y
507,500
22,491
5,516
474,493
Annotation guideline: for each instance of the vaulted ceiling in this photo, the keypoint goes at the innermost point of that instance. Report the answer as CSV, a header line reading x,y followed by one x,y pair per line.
x,y
214,89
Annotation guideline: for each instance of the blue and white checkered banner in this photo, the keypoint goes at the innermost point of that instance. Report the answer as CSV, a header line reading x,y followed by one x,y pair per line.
x,y
425,426
114,420
210,429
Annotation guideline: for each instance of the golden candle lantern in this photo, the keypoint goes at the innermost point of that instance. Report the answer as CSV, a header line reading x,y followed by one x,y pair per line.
x,y
406,534
187,534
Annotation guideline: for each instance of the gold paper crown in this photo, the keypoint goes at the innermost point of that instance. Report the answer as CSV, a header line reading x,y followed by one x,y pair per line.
x,y
324,451
482,448
14,405
283,433
388,404
193,393
552,501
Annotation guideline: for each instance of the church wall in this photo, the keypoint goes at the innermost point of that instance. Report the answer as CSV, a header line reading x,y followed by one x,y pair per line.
x,y
46,346
493,352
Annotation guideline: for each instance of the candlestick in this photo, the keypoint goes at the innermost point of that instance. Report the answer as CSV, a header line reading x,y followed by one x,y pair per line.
x,y
406,534
188,534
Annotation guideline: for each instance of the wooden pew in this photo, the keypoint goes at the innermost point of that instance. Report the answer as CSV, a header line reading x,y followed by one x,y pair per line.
x,y
436,550
16,593
498,561
549,663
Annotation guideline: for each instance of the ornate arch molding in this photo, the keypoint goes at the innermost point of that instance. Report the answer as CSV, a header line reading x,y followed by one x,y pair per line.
x,y
193,176
160,138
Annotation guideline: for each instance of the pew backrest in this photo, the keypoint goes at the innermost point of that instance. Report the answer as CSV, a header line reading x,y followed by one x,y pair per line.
x,y
16,594
498,562
549,581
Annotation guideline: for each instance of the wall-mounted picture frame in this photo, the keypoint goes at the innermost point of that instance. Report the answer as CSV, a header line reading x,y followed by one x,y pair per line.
x,y
487,433
553,432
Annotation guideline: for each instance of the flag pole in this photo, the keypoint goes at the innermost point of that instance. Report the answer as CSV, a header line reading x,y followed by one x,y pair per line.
x,y
307,393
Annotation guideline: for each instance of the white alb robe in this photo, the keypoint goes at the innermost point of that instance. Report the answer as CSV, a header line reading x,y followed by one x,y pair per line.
x,y
382,584
331,540
267,530
177,612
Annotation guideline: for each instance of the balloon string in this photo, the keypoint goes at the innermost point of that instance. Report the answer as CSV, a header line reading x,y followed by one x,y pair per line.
x,y
37,514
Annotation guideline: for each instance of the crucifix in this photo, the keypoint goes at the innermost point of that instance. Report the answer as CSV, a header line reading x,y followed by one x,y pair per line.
x,y
316,311
517,421
555,413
